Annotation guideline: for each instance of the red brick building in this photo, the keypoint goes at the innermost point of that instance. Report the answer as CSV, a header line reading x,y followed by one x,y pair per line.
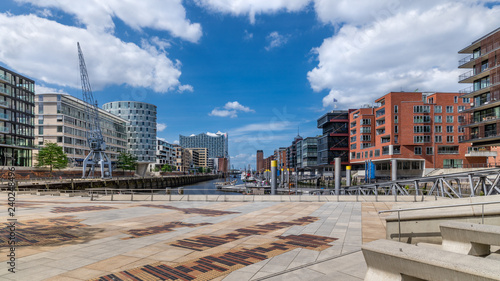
x,y
260,161
417,130
267,162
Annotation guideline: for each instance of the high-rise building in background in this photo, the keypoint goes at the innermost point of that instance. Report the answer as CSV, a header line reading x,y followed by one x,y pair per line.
x,y
201,154
61,119
291,154
309,153
481,119
335,139
217,144
17,116
411,131
141,127
260,161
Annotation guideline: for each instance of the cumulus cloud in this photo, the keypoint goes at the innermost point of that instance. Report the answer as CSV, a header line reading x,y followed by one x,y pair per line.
x,y
42,89
156,14
361,63
248,35
231,109
251,8
276,40
53,59
160,127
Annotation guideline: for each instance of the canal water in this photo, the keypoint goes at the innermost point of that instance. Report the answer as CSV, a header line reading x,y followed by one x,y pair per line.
x,y
208,187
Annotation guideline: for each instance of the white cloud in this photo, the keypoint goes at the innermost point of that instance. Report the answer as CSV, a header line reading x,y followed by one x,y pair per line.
x,y
276,40
160,127
176,141
230,110
156,14
42,89
248,35
269,126
251,8
53,58
361,63
183,88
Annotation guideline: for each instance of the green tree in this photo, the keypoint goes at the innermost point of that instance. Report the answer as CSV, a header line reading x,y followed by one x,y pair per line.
x,y
166,168
126,161
52,155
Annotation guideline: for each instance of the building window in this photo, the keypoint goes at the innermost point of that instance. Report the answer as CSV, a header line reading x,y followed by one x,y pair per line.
x,y
59,129
59,139
421,139
449,139
396,129
40,130
466,100
438,129
353,146
421,109
449,109
461,108
429,150
377,152
438,139
438,109
366,122
422,129
40,119
396,109
438,118
418,150
365,130
456,99
421,119
453,163
40,108
449,118
366,138
449,129
396,119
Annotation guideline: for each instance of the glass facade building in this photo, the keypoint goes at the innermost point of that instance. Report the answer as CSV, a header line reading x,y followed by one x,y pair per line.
x,y
61,119
17,115
217,144
141,127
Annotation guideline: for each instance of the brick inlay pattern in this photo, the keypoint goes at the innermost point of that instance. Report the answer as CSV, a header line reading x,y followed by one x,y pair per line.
x,y
80,209
198,211
204,242
213,266
140,232
50,231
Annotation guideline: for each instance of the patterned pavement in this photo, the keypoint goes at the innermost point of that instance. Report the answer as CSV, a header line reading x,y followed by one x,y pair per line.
x,y
83,240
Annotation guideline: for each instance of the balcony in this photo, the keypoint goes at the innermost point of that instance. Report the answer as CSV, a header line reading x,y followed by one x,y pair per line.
x,y
470,76
3,77
465,60
5,91
4,116
482,119
4,130
4,103
480,152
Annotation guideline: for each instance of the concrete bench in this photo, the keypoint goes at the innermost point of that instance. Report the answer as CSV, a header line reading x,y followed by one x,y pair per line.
x,y
469,238
390,260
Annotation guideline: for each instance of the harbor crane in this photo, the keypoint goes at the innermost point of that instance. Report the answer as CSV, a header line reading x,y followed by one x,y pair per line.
x,y
97,155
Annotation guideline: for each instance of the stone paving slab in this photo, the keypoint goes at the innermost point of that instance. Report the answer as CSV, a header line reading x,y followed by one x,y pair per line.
x,y
278,236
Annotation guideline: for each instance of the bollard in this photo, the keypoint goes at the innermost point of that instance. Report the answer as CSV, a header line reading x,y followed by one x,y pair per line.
x,y
274,176
338,168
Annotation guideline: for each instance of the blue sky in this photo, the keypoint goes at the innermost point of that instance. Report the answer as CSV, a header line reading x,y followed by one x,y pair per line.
x,y
255,69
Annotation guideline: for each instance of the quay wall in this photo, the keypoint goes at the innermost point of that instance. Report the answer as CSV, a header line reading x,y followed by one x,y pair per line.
x,y
117,183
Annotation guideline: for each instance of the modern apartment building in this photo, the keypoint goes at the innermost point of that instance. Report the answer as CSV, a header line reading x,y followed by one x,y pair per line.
x,y
17,114
291,154
416,131
309,152
217,144
482,119
201,156
280,156
141,127
335,140
166,154
184,159
61,119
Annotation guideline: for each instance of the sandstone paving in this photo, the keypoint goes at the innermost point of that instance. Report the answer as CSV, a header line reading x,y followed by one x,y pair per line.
x,y
141,238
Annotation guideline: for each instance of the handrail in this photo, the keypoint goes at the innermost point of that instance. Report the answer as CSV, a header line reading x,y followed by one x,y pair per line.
x,y
437,207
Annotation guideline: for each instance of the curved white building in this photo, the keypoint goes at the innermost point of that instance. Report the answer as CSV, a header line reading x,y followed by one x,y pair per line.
x,y
141,127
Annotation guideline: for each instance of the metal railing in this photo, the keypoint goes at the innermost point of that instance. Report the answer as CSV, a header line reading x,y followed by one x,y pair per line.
x,y
465,60
437,207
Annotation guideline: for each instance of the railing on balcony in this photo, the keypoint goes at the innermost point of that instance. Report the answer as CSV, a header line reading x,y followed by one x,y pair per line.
x,y
4,130
465,60
4,103
4,116
3,77
5,91
466,75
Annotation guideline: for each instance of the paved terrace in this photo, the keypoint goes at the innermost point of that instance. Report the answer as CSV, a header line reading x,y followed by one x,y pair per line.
x,y
61,238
